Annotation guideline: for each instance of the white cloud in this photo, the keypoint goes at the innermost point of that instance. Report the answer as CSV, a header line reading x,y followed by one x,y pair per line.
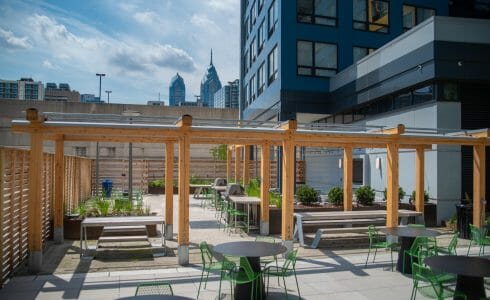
x,y
203,21
223,5
9,40
146,17
50,65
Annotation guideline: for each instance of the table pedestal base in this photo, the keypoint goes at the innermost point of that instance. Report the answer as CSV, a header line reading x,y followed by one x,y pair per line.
x,y
470,286
243,291
405,244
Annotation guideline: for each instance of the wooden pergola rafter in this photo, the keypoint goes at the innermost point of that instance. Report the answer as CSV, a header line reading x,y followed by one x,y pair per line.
x,y
288,135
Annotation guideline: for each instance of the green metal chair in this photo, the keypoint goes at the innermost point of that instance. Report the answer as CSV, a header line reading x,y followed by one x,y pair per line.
x,y
420,242
375,242
264,261
451,248
208,265
434,283
287,269
416,225
240,275
154,288
478,237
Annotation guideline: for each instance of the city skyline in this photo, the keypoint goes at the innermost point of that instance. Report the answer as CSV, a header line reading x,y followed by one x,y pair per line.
x,y
139,45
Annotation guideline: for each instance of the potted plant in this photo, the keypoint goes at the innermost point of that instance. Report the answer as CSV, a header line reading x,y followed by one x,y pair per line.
x,y
336,196
156,186
365,195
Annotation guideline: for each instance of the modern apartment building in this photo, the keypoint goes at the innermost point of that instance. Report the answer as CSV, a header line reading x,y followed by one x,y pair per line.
x,y
60,93
227,96
23,89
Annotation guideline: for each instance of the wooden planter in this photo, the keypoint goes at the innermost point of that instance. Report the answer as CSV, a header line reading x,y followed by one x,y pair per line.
x,y
71,230
160,190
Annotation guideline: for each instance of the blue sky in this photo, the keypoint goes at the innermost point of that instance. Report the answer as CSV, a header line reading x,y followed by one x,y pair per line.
x,y
140,45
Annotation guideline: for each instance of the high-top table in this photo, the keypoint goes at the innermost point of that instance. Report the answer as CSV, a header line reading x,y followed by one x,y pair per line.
x,y
119,221
245,200
253,251
407,236
470,271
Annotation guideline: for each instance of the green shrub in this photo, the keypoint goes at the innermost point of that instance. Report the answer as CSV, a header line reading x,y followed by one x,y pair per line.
x,y
157,183
336,195
275,199
306,194
253,188
426,196
121,207
102,206
401,193
365,195
82,209
196,180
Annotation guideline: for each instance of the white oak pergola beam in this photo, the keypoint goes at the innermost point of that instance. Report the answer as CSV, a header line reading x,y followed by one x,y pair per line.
x,y
184,165
35,194
479,168
59,184
356,145
238,161
392,186
288,181
246,165
229,157
169,190
398,129
264,188
419,179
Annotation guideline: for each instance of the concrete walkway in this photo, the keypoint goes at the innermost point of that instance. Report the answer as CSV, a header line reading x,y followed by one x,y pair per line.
x,y
322,273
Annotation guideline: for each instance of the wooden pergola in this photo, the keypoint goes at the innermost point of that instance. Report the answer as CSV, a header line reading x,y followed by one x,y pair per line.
x,y
185,132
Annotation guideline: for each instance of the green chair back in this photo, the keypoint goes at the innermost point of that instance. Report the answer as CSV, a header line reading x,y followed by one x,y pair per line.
x,y
247,269
290,262
263,238
475,233
416,225
373,235
206,256
154,288
453,243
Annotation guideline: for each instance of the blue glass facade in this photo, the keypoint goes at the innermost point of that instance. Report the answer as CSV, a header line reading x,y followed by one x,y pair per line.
x,y
290,49
176,91
210,84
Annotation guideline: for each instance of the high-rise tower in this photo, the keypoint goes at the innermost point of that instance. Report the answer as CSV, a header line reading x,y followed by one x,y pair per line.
x,y
210,84
176,91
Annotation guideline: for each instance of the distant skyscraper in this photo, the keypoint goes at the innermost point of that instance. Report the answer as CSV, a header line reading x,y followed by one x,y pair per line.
x,y
210,84
227,96
176,91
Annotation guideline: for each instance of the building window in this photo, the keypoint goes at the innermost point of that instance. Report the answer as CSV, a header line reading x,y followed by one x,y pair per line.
x,y
272,65
357,171
360,52
316,59
253,86
323,12
247,28
262,33
450,91
273,17
371,15
253,14
246,63
261,79
261,4
81,151
245,88
253,51
413,16
423,94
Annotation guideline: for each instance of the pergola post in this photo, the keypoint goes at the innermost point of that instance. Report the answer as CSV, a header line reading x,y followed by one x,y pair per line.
x,y
347,178
392,185
35,193
478,184
288,179
264,188
238,161
184,164
246,165
169,190
229,157
59,184
419,179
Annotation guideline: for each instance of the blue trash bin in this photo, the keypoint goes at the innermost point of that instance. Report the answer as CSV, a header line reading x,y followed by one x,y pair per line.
x,y
106,188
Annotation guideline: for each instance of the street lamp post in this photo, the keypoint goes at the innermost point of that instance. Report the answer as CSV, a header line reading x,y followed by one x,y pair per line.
x,y
97,145
108,92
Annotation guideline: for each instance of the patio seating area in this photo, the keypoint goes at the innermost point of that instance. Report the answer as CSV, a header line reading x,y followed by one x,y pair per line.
x,y
326,272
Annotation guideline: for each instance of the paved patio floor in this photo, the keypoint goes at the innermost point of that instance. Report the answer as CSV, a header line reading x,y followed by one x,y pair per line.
x,y
322,273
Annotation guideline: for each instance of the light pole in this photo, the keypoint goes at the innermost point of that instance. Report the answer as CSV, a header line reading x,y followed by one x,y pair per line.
x,y
97,145
108,92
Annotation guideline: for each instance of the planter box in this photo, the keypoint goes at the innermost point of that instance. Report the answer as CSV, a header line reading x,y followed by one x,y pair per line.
x,y
430,213
160,190
71,230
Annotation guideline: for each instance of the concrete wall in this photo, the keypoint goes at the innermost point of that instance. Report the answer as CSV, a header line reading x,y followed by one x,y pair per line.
x,y
442,163
14,109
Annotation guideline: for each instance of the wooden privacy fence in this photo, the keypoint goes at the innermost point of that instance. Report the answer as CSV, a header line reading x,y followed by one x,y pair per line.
x,y
144,171
14,201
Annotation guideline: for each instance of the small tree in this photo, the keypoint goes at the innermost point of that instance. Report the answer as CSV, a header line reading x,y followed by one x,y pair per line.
x,y
365,195
336,195
218,153
306,194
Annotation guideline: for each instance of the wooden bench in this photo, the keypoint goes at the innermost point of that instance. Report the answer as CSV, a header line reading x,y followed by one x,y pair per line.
x,y
345,219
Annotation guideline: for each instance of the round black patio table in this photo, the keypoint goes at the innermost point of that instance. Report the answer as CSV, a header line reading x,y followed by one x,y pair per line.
x,y
253,251
155,297
470,271
407,236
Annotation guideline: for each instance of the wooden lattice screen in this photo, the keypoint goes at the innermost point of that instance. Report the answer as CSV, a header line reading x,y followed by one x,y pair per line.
x,y
14,194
